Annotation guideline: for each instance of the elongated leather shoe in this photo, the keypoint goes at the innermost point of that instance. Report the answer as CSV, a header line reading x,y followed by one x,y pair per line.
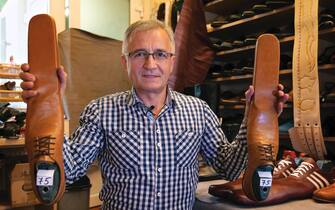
x,y
283,169
262,127
301,184
45,118
326,194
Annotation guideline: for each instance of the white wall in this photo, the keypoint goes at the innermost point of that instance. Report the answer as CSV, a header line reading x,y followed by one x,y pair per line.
x,y
105,17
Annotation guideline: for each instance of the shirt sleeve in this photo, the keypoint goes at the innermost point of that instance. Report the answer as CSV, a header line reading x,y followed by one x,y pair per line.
x,y
227,158
84,145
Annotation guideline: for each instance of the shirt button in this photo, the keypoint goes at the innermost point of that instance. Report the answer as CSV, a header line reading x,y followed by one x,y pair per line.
x,y
157,131
159,170
158,194
123,135
159,144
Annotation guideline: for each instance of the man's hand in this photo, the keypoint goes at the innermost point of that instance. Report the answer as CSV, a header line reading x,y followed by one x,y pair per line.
x,y
29,79
281,96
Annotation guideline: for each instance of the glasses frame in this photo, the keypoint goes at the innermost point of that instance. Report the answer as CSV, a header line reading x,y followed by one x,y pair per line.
x,y
153,54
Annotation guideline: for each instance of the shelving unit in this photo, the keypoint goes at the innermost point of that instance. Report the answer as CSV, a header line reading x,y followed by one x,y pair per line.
x,y
254,26
226,7
9,72
283,72
12,143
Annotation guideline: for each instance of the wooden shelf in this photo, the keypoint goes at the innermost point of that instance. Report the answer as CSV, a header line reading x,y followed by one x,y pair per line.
x,y
284,72
8,99
227,7
236,54
12,143
9,76
285,44
241,105
253,24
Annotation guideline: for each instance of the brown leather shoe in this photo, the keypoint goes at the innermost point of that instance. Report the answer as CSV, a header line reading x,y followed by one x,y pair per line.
x,y
262,127
326,194
301,184
283,169
45,118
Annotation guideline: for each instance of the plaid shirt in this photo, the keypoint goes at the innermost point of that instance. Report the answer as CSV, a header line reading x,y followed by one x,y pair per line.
x,y
150,163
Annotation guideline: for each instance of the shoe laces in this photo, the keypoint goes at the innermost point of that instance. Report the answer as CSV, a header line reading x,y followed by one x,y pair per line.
x,y
302,169
282,164
266,152
44,145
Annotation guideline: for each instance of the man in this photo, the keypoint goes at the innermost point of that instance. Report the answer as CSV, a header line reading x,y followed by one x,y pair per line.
x,y
147,139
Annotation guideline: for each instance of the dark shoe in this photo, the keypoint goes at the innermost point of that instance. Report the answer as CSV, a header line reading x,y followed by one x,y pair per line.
x,y
218,23
250,40
326,194
326,24
260,8
219,46
248,14
10,85
234,17
326,55
327,15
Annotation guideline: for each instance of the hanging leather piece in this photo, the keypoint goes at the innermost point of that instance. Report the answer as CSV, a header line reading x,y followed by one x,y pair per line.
x,y
306,135
262,127
193,52
45,117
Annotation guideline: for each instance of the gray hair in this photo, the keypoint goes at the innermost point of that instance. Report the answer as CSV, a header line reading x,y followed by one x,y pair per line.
x,y
146,25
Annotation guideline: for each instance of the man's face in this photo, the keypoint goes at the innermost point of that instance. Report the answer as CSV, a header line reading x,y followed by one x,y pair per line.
x,y
149,74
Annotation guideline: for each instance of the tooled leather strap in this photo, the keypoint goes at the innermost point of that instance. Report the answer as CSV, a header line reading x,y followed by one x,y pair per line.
x,y
306,135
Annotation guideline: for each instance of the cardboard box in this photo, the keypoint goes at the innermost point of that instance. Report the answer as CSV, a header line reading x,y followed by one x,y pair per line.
x,y
21,188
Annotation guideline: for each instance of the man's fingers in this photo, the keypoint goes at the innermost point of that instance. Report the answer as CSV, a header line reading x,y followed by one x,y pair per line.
x,y
27,77
249,93
280,108
280,87
61,74
27,85
25,67
26,94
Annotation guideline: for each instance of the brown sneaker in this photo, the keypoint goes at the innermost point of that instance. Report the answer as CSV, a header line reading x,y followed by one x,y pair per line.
x,y
301,184
45,118
283,169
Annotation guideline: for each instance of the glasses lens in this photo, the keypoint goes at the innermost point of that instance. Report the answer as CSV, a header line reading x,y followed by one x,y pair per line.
x,y
160,55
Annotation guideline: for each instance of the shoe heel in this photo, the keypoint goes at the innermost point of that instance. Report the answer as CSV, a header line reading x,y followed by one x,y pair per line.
x,y
47,181
262,181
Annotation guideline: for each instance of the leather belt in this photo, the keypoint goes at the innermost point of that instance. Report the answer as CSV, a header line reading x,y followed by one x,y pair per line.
x,y
306,135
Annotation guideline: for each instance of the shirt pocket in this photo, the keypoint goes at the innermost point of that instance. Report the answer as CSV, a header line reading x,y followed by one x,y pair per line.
x,y
187,145
125,149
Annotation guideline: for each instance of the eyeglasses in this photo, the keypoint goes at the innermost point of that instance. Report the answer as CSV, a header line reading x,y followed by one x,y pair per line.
x,y
158,55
